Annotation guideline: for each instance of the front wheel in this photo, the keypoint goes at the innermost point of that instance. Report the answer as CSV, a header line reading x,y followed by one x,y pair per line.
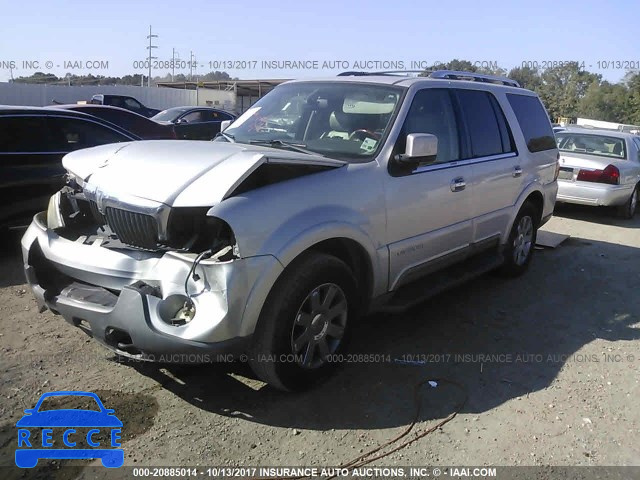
x,y
628,210
522,240
305,322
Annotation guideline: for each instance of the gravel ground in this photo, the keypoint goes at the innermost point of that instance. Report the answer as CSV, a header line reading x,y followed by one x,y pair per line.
x,y
548,363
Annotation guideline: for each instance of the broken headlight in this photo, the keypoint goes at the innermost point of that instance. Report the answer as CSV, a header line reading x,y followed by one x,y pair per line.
x,y
189,228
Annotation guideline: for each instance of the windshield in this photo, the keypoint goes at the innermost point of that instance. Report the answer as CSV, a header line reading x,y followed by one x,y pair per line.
x,y
348,121
600,145
167,115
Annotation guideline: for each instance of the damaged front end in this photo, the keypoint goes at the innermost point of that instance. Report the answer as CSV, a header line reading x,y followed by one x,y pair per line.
x,y
147,280
86,213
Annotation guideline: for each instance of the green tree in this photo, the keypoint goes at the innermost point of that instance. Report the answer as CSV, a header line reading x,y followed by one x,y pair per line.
x,y
527,77
214,76
563,87
633,105
605,101
455,64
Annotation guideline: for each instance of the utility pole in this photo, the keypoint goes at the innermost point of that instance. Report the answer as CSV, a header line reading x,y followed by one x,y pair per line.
x,y
191,63
151,57
173,63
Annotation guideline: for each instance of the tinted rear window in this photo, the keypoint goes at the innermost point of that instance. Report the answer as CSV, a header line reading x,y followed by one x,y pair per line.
x,y
486,124
533,121
24,134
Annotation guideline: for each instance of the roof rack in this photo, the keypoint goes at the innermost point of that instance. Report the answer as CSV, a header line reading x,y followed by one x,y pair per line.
x,y
444,74
388,72
476,77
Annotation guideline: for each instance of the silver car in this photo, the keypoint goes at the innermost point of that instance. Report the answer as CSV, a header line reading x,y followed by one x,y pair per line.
x,y
266,244
599,167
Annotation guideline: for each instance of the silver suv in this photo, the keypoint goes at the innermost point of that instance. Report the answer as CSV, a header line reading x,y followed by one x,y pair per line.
x,y
325,200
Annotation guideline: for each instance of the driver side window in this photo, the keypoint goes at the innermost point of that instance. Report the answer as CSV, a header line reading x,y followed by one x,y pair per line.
x,y
131,104
432,112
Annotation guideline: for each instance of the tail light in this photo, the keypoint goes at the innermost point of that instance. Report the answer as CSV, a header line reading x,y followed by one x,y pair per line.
x,y
555,177
610,175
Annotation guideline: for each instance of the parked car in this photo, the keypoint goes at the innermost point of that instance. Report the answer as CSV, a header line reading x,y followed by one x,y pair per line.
x,y
600,168
123,101
140,126
385,191
194,123
33,141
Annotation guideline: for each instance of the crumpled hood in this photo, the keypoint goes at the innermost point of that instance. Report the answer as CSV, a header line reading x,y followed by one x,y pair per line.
x,y
177,172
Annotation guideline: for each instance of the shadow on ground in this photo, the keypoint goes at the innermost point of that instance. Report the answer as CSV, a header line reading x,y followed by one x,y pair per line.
x,y
11,258
600,215
499,338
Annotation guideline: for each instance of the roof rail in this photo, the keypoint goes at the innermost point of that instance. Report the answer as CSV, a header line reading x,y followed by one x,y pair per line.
x,y
476,77
389,72
446,74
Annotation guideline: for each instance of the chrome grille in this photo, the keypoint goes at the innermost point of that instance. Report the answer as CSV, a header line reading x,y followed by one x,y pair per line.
x,y
133,228
96,213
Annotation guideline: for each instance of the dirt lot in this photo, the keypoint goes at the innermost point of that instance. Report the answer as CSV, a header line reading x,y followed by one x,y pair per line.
x,y
551,374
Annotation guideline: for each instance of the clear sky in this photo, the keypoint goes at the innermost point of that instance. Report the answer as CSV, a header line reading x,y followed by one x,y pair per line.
x,y
508,33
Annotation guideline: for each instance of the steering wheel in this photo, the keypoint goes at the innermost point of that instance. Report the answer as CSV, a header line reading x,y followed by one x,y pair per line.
x,y
260,124
362,132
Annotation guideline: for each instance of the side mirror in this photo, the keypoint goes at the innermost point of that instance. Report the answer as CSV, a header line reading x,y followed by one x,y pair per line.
x,y
421,149
224,124
182,120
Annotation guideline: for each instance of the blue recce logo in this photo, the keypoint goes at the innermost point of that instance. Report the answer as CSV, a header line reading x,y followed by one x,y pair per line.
x,y
27,455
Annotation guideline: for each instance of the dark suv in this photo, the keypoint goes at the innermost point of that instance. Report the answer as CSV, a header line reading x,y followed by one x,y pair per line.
x,y
124,101
33,141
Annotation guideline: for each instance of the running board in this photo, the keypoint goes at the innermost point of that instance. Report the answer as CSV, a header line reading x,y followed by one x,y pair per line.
x,y
420,290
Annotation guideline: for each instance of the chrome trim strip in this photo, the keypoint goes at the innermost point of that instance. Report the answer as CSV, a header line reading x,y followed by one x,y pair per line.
x,y
468,161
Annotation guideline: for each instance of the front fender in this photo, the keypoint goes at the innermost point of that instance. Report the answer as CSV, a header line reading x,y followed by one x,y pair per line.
x,y
327,230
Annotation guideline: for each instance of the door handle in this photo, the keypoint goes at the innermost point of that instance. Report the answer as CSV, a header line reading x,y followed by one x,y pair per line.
x,y
517,171
458,184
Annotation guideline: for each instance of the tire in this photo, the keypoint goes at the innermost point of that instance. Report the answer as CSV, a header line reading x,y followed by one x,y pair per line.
x,y
521,243
308,314
628,210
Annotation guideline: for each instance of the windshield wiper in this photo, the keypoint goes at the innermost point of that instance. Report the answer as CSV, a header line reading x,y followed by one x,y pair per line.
x,y
227,136
297,147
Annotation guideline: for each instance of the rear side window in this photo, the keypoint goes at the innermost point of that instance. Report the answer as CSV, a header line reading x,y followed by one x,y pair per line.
x,y
533,121
132,104
73,134
24,135
213,116
193,117
485,122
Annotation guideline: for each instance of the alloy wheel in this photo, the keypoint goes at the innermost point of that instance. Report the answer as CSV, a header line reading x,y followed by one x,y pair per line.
x,y
319,325
522,242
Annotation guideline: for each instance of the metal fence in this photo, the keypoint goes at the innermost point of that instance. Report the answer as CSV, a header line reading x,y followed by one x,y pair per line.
x,y
42,95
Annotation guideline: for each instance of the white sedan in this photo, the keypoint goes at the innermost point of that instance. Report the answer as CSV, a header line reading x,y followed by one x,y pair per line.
x,y
600,168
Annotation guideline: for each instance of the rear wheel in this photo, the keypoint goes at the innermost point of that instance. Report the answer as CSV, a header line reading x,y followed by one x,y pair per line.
x,y
305,322
521,244
628,210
